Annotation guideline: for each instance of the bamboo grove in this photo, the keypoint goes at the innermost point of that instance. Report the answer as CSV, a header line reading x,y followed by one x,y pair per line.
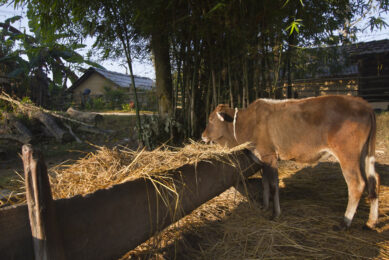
x,y
208,52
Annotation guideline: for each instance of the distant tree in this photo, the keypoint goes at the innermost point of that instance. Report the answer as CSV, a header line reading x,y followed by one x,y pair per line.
x,y
104,20
33,58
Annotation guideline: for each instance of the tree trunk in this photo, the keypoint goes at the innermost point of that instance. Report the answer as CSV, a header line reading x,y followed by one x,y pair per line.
x,y
183,94
277,52
214,92
160,47
289,89
50,124
256,78
207,101
19,138
230,84
289,56
24,134
87,117
193,115
263,70
177,88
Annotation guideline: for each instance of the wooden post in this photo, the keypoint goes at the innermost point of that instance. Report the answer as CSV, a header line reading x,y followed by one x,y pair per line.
x,y
47,242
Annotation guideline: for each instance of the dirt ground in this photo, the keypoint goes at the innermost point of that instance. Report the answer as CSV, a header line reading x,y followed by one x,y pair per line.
x,y
232,225
313,201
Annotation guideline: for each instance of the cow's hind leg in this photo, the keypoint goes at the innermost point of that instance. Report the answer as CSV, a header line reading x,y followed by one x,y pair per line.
x,y
355,184
373,182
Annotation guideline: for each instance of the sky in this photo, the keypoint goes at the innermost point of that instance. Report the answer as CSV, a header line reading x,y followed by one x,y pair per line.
x,y
145,67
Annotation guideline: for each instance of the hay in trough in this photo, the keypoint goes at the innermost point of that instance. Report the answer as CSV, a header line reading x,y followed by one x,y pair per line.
x,y
107,167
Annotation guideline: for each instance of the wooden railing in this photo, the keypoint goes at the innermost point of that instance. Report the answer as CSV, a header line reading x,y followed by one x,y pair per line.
x,y
109,222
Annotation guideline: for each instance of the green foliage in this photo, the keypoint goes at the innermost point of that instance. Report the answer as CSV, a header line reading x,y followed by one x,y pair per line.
x,y
37,56
26,100
294,26
5,107
114,97
88,106
128,107
377,23
98,103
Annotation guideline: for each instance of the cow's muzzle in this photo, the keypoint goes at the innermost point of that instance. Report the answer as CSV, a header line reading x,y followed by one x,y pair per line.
x,y
205,138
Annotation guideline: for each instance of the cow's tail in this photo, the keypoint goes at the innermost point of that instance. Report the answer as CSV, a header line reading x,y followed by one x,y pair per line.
x,y
368,161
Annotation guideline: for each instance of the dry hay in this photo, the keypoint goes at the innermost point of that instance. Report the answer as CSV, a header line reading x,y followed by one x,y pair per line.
x,y
107,167
313,200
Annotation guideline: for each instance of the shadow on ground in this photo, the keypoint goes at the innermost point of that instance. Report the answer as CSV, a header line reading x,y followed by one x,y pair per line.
x,y
313,199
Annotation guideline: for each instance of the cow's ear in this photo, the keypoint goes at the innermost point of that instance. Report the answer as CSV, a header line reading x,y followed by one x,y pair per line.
x,y
224,117
220,116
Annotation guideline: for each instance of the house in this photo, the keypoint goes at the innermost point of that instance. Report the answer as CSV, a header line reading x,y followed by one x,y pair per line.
x,y
95,80
360,69
372,59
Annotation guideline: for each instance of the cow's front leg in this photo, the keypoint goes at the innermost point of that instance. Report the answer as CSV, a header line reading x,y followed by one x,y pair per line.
x,y
275,192
265,190
270,172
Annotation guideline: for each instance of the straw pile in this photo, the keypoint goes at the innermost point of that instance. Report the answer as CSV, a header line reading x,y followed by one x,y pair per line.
x,y
107,167
313,200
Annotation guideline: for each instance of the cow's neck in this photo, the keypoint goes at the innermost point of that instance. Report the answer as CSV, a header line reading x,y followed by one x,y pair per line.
x,y
241,124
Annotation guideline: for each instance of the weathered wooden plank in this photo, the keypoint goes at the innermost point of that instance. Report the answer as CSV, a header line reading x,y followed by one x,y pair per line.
x,y
110,222
47,241
15,233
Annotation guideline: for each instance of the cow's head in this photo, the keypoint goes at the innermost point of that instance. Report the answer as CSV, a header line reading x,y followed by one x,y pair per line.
x,y
220,127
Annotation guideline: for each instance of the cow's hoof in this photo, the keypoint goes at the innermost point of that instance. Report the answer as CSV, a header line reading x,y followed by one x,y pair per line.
x,y
341,227
367,227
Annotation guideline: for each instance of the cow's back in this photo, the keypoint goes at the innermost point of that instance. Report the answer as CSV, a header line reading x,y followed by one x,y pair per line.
x,y
302,129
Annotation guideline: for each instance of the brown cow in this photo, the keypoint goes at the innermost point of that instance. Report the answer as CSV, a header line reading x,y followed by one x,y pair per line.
x,y
304,130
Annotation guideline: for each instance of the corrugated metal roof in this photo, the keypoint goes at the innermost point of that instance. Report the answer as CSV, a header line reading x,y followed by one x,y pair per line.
x,y
346,70
362,48
124,80
350,52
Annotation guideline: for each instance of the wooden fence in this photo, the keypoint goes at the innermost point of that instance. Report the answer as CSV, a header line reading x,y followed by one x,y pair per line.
x,y
371,88
109,222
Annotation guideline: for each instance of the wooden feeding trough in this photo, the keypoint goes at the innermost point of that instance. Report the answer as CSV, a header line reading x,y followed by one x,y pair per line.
x,y
109,222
